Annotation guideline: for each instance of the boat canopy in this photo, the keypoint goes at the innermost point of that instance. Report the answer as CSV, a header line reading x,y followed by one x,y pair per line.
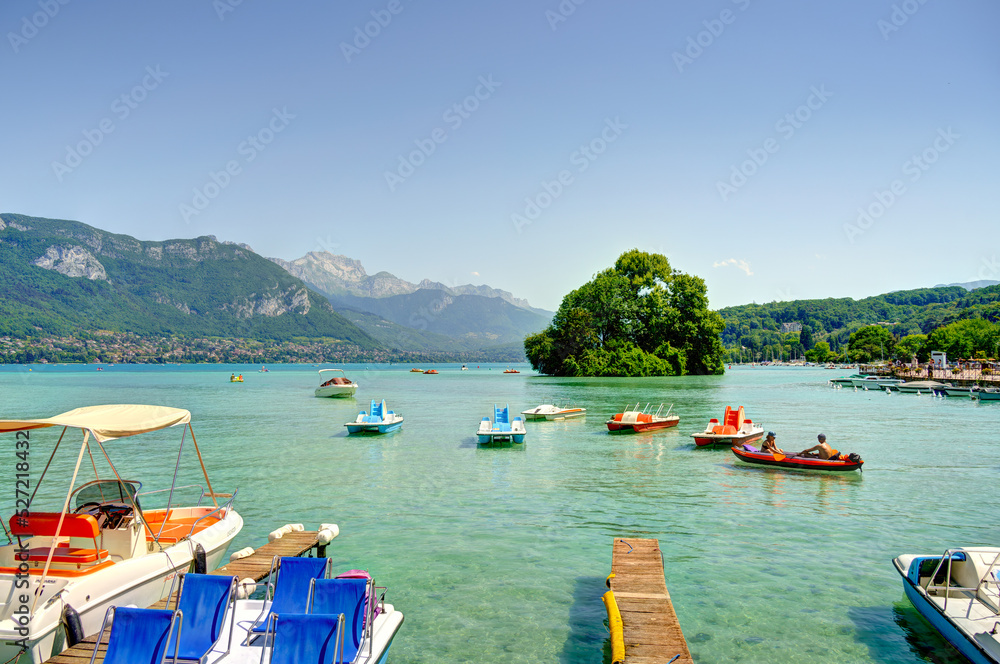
x,y
108,422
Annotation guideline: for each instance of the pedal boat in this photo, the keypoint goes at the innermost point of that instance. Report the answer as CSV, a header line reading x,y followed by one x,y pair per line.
x,y
736,429
755,456
637,421
549,412
103,545
378,419
957,593
501,429
335,383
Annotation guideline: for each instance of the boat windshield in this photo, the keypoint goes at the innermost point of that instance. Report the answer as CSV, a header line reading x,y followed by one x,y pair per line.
x,y
106,491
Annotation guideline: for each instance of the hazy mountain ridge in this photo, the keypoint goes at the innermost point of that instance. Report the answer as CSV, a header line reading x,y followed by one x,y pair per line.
x,y
333,274
62,276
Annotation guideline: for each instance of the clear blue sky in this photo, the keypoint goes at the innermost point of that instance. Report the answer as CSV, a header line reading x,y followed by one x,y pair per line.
x,y
182,86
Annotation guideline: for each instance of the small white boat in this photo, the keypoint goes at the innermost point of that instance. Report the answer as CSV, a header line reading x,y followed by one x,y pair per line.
x,y
957,592
957,391
549,412
378,419
845,380
922,386
105,544
876,382
335,383
501,428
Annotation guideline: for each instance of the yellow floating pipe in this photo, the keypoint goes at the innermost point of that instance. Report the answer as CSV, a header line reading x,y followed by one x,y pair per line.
x,y
617,630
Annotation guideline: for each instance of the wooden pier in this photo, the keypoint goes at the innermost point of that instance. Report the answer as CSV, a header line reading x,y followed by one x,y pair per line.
x,y
651,632
255,566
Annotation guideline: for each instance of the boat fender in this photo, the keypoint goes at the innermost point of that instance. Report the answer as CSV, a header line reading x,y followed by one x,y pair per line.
x,y
330,526
615,627
242,553
74,627
245,588
200,559
607,581
293,527
275,535
326,535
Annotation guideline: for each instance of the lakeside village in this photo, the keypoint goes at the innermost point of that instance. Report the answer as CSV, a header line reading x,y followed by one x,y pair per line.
x,y
125,348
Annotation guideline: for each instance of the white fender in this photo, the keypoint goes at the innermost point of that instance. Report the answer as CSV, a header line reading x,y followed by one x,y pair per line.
x,y
242,553
326,535
275,535
245,587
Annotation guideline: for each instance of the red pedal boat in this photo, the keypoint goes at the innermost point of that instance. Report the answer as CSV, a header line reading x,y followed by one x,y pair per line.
x,y
797,462
735,429
636,421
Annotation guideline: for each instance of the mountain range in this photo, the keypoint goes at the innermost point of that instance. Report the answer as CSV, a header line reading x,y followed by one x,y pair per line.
x,y
456,317
62,277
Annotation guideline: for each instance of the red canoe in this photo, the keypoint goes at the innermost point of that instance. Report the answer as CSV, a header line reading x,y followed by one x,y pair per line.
x,y
795,462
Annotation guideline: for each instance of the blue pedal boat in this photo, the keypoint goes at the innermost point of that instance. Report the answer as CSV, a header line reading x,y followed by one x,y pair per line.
x,y
501,428
378,419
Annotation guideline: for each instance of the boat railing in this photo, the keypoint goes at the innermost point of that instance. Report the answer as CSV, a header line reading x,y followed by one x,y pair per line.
x,y
224,508
186,486
948,588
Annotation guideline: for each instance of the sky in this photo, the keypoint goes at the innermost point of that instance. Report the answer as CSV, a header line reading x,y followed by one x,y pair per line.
x,y
780,150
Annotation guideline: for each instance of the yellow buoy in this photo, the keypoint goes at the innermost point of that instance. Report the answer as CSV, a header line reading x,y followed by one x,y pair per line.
x,y
616,628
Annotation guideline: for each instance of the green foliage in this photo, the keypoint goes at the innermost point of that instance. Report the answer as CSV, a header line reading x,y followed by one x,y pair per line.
x,y
754,330
820,353
870,343
638,318
912,345
965,339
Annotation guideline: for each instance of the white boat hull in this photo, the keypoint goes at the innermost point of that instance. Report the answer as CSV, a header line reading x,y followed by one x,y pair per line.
x,y
140,581
963,618
337,391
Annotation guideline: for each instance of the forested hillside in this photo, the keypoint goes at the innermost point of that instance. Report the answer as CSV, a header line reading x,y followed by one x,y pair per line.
x,y
771,330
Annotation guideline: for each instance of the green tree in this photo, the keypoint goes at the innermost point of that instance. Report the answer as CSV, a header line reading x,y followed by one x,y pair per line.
x,y
911,345
639,318
871,343
820,353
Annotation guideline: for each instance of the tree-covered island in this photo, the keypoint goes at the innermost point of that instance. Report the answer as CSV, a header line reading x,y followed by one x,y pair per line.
x,y
638,318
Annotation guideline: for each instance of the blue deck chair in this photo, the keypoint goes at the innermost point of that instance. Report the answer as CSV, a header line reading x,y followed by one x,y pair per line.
x,y
139,636
289,581
305,639
347,597
205,600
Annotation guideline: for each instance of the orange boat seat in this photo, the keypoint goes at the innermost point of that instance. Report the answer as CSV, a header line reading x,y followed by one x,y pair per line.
x,y
68,556
727,430
43,524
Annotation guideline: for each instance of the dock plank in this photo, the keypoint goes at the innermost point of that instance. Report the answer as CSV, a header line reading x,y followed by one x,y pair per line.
x,y
255,566
651,630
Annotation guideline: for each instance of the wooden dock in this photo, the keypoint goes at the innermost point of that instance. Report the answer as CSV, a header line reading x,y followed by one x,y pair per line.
x,y
652,633
255,566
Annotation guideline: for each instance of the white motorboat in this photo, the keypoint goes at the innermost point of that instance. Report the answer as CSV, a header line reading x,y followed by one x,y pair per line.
x,y
876,382
104,545
922,386
957,592
549,412
335,383
845,380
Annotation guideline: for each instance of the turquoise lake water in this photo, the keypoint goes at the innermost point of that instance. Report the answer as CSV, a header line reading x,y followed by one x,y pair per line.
x,y
500,554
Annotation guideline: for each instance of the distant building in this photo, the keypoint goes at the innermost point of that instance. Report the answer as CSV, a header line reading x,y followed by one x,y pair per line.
x,y
939,359
791,327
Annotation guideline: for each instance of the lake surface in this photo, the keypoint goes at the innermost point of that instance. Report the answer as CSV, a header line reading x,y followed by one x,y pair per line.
x,y
500,554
